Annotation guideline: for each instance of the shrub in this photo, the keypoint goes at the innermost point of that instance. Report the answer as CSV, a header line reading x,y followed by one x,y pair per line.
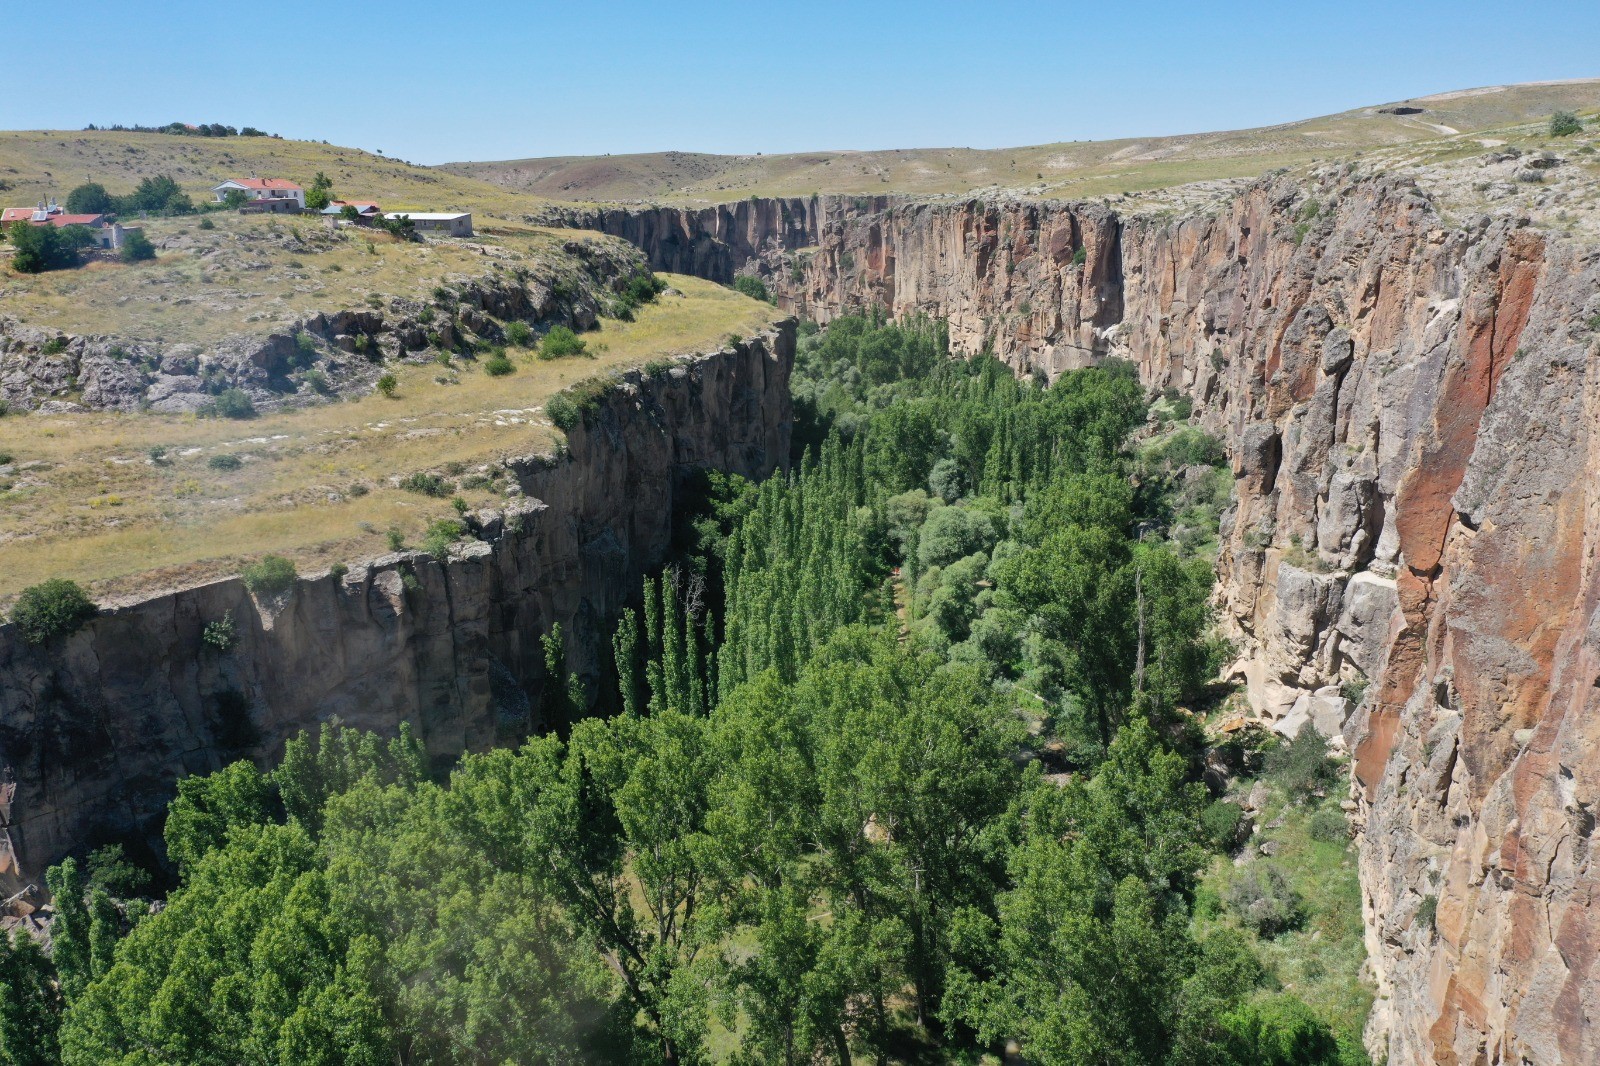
x,y
305,349
1263,899
36,249
1564,124
136,247
397,540
220,634
1222,821
519,334
561,342
752,287
1080,257
231,403
1428,912
337,571
1328,825
52,609
224,461
440,536
110,870
425,315
318,381
206,223
1301,766
273,573
459,504
158,454
562,411
1354,690
425,484
389,386
497,365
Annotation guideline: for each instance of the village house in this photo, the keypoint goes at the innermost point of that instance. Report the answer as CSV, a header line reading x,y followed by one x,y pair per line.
x,y
47,213
450,223
366,211
264,194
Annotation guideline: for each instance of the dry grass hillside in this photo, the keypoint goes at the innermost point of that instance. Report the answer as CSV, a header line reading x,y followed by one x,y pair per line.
x,y
1068,169
125,502
41,163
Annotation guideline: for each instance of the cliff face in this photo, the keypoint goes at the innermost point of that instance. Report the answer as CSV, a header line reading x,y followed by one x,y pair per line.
x,y
94,730
1409,408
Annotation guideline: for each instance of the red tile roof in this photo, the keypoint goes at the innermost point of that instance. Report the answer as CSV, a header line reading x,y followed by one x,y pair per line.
x,y
25,214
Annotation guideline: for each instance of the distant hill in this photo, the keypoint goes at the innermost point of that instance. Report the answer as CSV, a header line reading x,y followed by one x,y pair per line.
x,y
1086,168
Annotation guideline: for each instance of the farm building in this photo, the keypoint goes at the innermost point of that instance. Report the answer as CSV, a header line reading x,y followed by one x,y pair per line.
x,y
449,223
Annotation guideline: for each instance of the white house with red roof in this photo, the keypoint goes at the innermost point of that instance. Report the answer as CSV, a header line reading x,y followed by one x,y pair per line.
x,y
262,189
48,214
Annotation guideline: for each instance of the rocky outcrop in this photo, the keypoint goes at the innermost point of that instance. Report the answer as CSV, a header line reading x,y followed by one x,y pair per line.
x,y
309,358
95,729
1410,406
721,240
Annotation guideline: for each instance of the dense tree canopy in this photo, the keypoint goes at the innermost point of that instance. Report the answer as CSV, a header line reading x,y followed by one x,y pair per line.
x,y
817,826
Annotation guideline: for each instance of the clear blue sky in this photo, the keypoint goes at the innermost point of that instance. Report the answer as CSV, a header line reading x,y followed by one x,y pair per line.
x,y
479,79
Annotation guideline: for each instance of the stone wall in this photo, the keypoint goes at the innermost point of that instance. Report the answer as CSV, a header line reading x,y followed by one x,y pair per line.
x,y
95,730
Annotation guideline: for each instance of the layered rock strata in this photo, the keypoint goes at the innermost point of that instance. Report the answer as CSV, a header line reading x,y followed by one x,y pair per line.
x,y
1410,405
96,728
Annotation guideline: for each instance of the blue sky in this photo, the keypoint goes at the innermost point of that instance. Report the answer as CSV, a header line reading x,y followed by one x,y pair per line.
x,y
479,79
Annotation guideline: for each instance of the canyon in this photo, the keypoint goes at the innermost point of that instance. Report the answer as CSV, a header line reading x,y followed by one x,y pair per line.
x,y
1407,396
1406,392
95,729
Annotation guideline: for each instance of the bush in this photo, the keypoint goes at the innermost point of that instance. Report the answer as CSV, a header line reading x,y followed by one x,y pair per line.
x,y
1222,822
136,247
220,634
389,386
52,609
206,223
273,573
1329,825
224,461
561,342
752,287
1428,912
1301,766
426,484
1280,1031
440,536
36,249
1564,124
519,334
397,540
110,870
231,403
1262,899
497,365
562,411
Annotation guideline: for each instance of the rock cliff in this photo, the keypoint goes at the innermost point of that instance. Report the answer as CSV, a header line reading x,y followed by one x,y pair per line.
x,y
95,729
1410,405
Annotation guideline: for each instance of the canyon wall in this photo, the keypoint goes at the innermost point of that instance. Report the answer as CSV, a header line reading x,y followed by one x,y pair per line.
x,y
95,729
1409,404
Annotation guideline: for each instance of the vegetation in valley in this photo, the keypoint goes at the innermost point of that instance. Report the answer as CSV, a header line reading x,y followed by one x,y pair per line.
x,y
897,764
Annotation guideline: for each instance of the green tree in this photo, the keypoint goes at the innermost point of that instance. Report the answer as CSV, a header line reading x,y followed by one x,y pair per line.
x,y
136,247
36,249
209,807
89,198
30,1003
320,195
1565,124
52,610
69,933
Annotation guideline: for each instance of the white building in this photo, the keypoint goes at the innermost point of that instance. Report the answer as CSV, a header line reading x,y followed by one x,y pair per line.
x,y
262,189
450,223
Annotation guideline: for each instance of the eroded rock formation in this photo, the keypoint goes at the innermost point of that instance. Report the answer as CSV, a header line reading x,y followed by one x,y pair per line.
x,y
1410,406
95,729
